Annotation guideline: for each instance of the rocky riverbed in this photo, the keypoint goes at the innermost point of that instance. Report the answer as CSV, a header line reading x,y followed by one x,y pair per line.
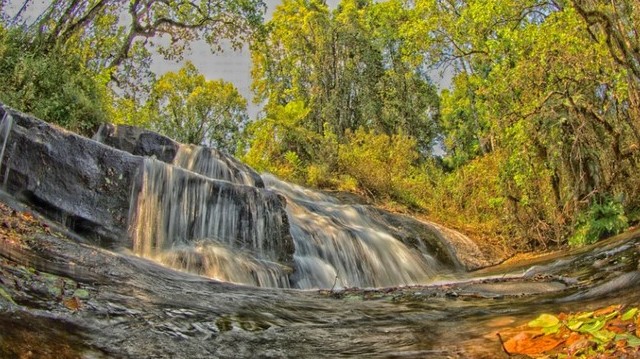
x,y
62,298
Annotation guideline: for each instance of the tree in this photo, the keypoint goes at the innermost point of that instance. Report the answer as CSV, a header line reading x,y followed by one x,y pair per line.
x,y
348,67
547,88
53,85
187,107
121,34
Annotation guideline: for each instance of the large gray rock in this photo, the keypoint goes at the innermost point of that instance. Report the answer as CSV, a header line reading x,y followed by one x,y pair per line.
x,y
97,191
81,183
203,160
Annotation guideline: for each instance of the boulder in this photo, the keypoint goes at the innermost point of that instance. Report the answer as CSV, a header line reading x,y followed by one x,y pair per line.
x,y
78,182
203,160
98,191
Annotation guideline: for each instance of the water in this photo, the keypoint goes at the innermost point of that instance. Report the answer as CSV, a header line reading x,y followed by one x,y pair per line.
x,y
5,129
340,245
213,164
138,309
202,225
229,230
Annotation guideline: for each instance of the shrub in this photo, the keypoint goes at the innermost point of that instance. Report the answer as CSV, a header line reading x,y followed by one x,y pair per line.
x,y
605,217
50,84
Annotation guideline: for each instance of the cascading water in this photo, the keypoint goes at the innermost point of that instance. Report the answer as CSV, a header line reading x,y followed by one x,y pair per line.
x,y
343,246
5,129
215,224
201,225
212,164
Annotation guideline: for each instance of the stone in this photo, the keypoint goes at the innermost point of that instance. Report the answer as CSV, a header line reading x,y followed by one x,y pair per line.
x,y
80,183
94,189
203,160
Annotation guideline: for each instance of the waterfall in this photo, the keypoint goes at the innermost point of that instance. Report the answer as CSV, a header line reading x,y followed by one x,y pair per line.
x,y
209,214
346,246
213,164
5,129
193,222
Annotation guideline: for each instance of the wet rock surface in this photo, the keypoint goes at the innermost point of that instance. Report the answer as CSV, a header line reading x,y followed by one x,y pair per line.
x,y
145,143
83,301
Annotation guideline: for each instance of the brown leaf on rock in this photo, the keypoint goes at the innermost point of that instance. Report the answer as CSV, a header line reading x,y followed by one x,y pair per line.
x,y
576,343
616,325
73,303
573,337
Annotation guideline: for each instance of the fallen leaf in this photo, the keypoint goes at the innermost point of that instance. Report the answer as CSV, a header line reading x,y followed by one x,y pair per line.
x,y
544,321
608,310
26,216
629,314
631,340
72,303
573,338
531,344
584,315
617,325
579,343
603,336
592,327
574,324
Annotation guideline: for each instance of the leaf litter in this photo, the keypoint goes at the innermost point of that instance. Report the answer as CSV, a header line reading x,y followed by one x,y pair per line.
x,y
611,332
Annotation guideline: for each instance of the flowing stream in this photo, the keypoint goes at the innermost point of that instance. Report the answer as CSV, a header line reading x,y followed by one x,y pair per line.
x,y
339,245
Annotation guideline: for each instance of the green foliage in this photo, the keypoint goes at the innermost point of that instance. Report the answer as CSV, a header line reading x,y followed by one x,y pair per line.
x,y
122,35
348,67
190,109
378,162
603,218
279,144
51,84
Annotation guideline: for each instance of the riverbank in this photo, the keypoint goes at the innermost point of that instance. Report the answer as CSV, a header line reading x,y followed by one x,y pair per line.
x,y
78,301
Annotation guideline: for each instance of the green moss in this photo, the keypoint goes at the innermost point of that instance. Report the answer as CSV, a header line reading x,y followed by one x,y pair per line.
x,y
224,324
5,294
81,293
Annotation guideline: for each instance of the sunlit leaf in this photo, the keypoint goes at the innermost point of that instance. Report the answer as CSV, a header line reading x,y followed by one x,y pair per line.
x,y
574,324
585,315
603,336
552,329
607,311
544,321
592,327
629,314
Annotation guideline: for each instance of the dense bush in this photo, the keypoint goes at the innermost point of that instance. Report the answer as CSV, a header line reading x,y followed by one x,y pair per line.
x,y
50,84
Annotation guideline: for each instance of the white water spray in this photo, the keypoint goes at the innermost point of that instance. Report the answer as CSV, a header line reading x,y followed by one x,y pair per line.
x,y
5,129
345,245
